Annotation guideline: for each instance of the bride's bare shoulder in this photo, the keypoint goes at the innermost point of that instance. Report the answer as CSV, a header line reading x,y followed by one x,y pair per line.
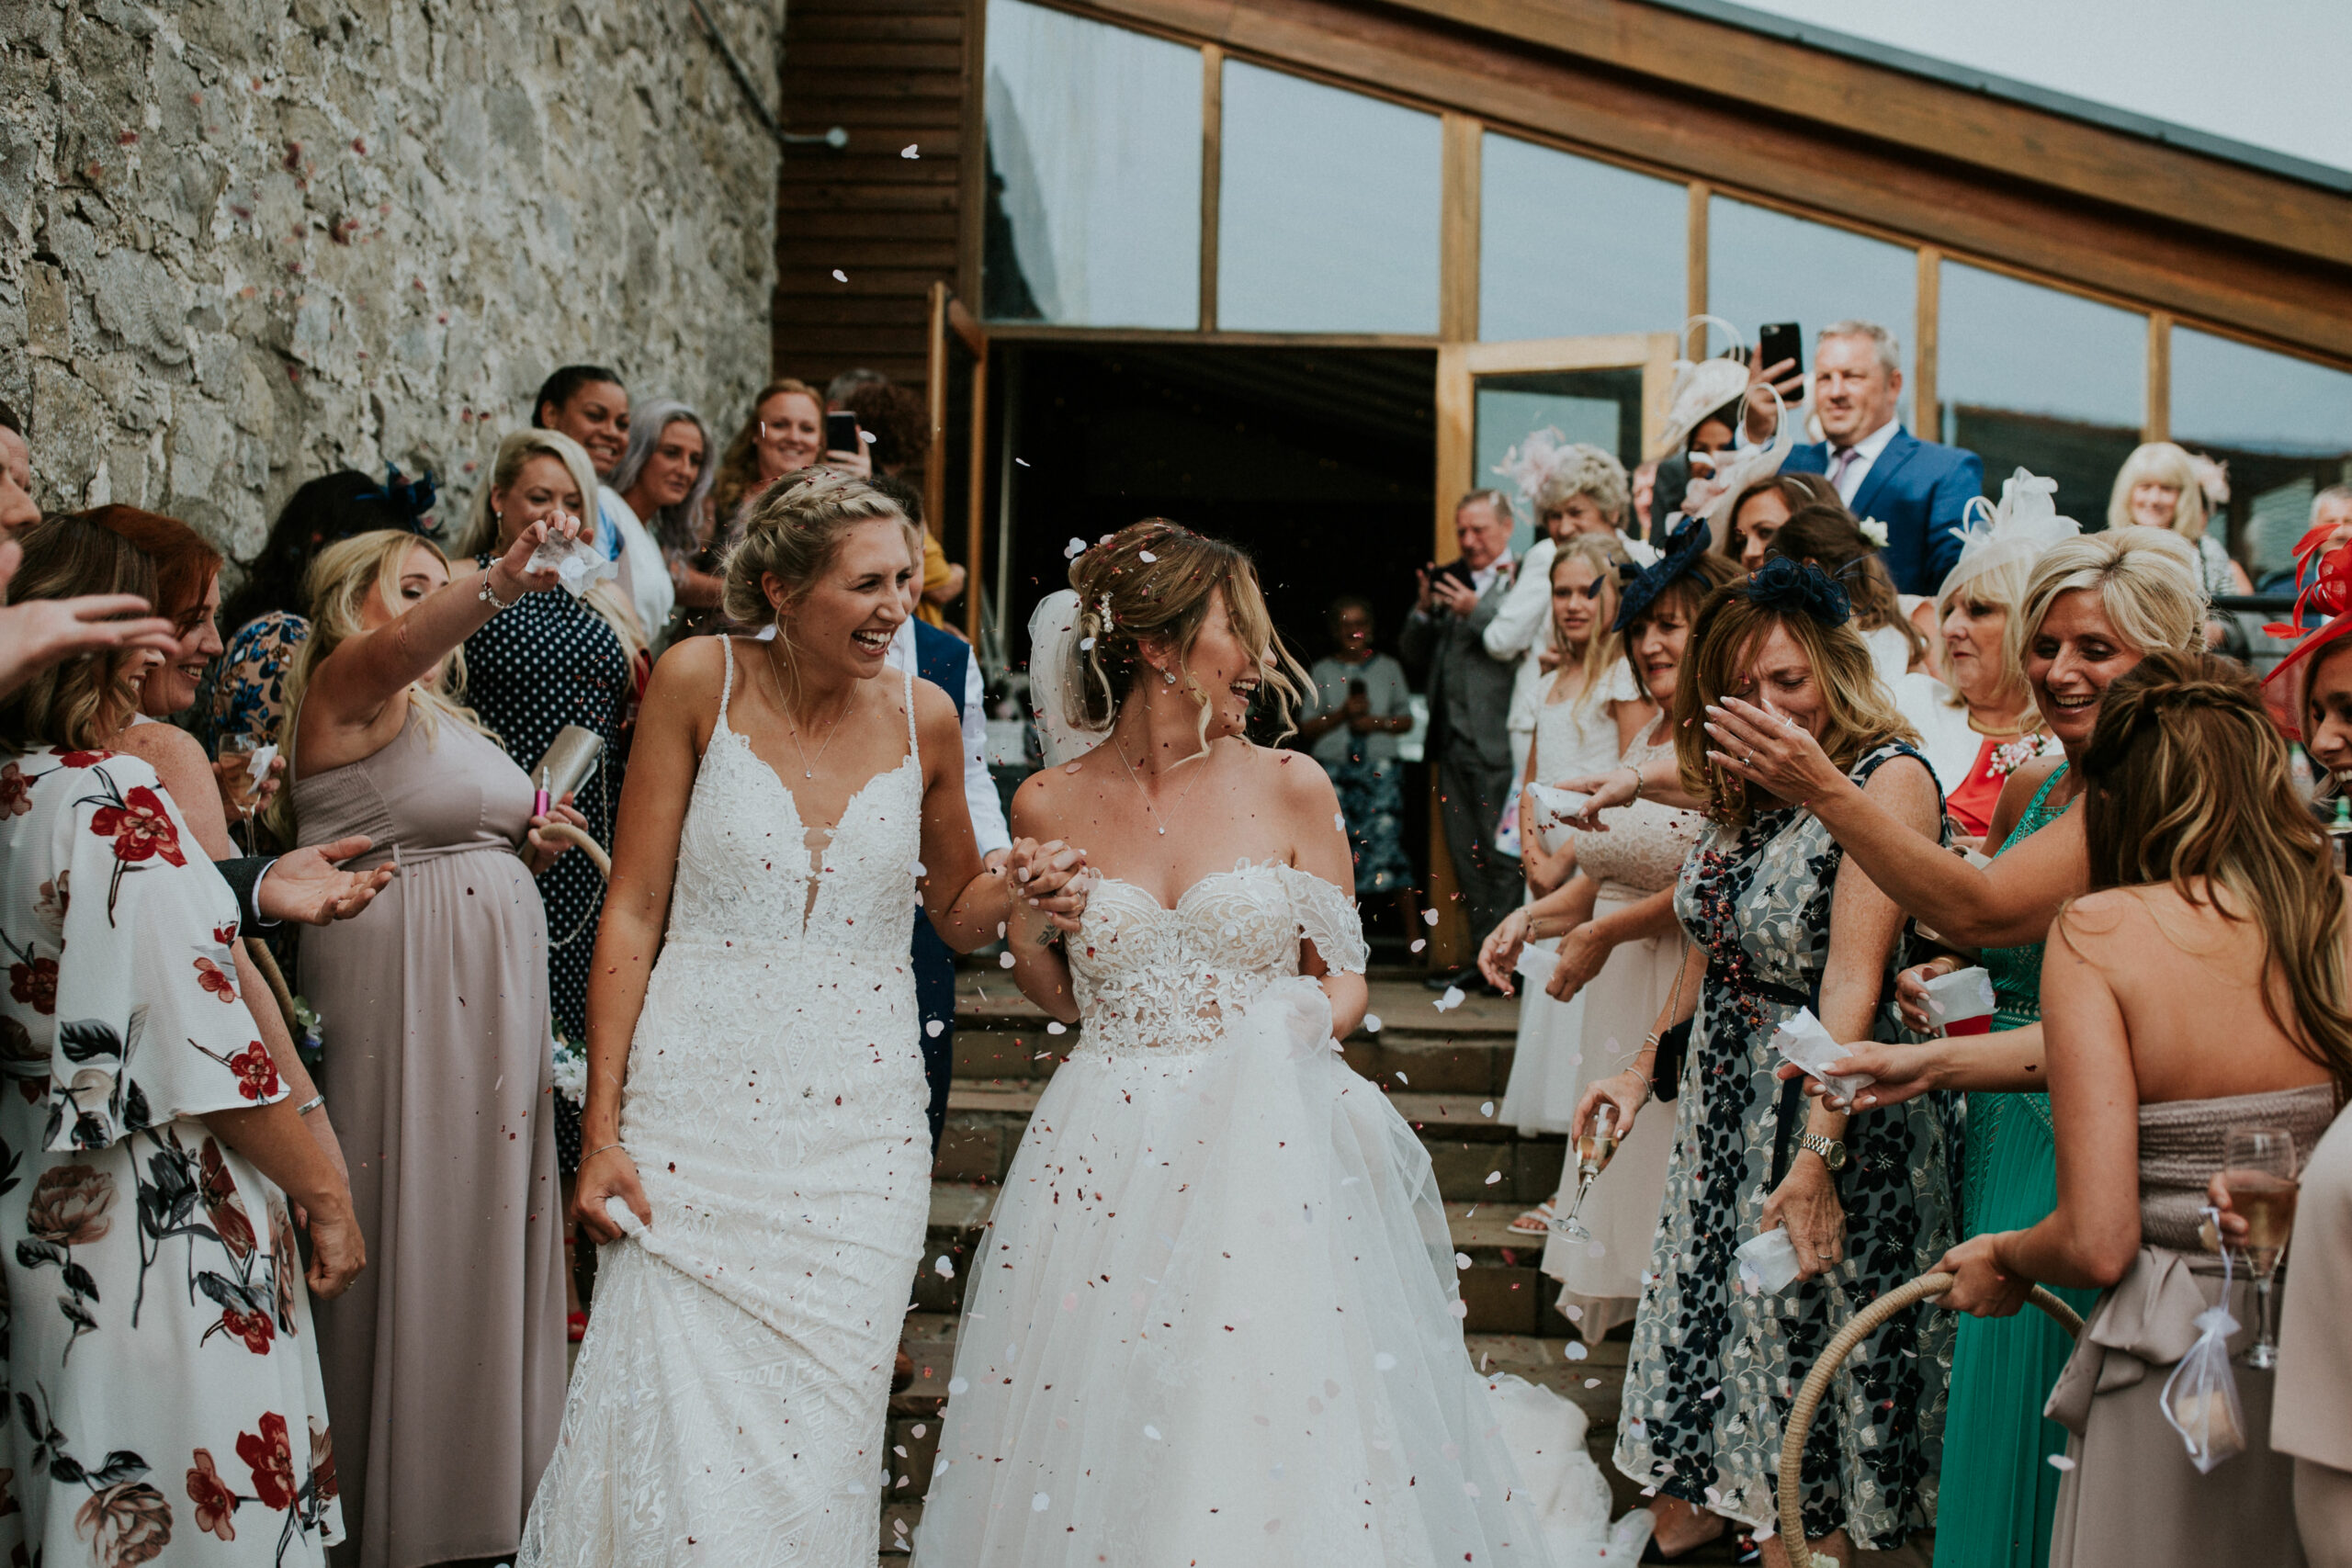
x,y
1294,779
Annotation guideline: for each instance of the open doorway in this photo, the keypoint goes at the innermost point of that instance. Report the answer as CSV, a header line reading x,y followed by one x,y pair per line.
x,y
1320,460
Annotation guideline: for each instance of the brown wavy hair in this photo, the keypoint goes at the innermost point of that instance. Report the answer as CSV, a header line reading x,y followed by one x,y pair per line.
x,y
1153,581
2187,780
738,468
1730,629
82,701
1796,491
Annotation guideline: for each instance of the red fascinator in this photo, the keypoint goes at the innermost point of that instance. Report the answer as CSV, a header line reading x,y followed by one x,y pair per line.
x,y
2286,690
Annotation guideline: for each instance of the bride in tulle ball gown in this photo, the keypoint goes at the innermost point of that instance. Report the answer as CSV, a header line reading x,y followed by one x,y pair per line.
x,y
1215,1318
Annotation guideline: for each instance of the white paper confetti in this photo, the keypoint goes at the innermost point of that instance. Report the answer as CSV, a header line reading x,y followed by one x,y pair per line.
x,y
1460,1309
1075,548
1493,1177
840,277
1085,642
1384,1362
918,1429
2061,1461
955,1387
1057,1027
1004,961
1145,555
1461,1260
1453,998
1403,1079
1576,1350
1371,1023
257,769
1040,1503
934,1028
1420,943
944,1268
1339,822
910,151
1592,1382
1152,1432
1428,916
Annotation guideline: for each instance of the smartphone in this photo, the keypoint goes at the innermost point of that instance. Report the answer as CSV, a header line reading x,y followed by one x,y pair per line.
x,y
840,432
1779,341
1456,569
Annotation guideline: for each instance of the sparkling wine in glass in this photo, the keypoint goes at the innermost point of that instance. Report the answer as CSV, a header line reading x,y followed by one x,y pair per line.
x,y
1594,1150
2259,1167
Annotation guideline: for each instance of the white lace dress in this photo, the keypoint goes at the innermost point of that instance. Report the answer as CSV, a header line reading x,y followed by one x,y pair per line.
x,y
1214,1319
729,1402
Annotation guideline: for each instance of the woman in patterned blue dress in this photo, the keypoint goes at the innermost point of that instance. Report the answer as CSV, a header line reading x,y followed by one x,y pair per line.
x,y
1867,1202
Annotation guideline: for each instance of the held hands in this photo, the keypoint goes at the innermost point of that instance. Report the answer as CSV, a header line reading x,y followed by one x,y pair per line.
x,y
1049,886
1770,750
510,574
539,850
1904,1072
1628,1091
1807,1204
307,887
1499,952
1984,1289
607,1172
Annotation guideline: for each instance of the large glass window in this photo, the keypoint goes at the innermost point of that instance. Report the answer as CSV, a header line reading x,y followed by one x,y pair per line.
x,y
1568,247
1094,174
2282,424
1764,265
1601,408
1328,215
2029,376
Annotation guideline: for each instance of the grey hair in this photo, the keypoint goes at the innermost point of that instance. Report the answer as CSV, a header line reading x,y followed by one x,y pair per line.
x,y
1494,498
1584,469
675,526
2333,492
1889,346
793,529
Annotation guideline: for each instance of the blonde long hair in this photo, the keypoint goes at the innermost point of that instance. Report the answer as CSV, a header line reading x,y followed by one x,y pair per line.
x,y
1605,646
2160,462
343,578
2146,581
479,535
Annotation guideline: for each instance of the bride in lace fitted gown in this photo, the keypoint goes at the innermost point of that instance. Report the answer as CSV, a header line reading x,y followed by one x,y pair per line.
x,y
755,1122
1214,1319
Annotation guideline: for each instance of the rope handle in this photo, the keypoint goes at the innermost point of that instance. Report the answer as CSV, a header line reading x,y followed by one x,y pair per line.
x,y
1817,1384
578,838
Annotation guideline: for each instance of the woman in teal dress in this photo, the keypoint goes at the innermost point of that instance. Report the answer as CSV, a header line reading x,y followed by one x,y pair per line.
x,y
2090,608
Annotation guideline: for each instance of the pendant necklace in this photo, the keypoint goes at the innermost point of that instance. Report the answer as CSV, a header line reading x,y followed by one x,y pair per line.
x,y
808,769
1119,752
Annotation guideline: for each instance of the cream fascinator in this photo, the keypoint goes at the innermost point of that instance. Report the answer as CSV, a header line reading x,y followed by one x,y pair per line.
x,y
1701,387
2021,528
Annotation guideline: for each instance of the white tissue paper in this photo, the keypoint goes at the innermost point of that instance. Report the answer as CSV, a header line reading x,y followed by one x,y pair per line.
x,y
1804,1040
1553,806
257,769
577,563
1536,964
1767,1263
1962,1002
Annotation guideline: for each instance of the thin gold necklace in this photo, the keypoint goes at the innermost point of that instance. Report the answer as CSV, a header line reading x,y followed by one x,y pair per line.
x,y
808,769
1119,752
2009,734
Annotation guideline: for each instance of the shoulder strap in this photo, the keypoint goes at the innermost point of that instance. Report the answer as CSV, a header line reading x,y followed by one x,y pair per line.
x,y
727,682
2043,793
914,748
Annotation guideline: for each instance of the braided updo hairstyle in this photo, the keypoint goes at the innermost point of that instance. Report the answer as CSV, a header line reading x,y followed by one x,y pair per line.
x,y
1153,582
2186,780
793,530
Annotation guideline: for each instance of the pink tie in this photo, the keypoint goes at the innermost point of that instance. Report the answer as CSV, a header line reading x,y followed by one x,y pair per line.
x,y
1838,463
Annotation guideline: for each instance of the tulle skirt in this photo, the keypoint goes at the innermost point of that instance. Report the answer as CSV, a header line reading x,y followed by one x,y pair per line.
x,y
1214,1320
1547,1068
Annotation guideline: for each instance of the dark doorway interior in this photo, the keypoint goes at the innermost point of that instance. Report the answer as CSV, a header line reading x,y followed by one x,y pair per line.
x,y
1320,461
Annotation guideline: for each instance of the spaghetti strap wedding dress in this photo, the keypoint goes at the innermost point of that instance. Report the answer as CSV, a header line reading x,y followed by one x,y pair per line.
x,y
730,1400
1215,1317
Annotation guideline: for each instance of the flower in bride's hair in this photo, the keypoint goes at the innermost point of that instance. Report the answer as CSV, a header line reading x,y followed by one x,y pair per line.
x,y
1874,531
1784,584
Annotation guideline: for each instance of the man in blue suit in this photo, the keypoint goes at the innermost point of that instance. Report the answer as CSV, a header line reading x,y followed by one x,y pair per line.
x,y
1917,488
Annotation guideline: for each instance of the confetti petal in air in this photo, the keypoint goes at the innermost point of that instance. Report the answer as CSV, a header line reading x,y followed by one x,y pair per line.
x,y
1452,1000
1461,1260
1004,961
1145,555
955,1388
1057,1027
934,1028
1040,1503
945,1267
1428,916
1371,1023
1576,1350
910,151
1403,1079
1493,1177
1152,1432
1420,943
1075,548
840,277
2061,1461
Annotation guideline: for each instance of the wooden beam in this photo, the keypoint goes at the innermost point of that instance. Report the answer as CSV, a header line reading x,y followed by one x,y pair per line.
x,y
1457,293
1993,212
1925,414
934,472
2159,376
973,166
1695,290
976,512
1212,174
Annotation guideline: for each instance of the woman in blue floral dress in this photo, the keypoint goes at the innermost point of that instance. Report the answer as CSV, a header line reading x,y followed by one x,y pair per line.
x,y
162,1387
1866,1202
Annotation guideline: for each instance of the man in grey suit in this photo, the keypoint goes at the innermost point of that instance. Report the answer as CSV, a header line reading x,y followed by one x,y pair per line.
x,y
1469,697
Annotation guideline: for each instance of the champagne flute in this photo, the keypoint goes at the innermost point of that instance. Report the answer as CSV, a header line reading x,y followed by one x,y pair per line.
x,y
2258,1167
1594,1151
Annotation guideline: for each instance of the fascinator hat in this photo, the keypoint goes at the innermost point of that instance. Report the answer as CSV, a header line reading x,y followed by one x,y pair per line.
x,y
1799,588
2021,528
1685,548
1701,387
2285,691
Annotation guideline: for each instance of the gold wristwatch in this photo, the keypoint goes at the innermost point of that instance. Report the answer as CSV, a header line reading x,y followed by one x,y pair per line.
x,y
1831,1150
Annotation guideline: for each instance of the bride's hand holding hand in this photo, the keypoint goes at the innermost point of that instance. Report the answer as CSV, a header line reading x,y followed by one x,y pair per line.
x,y
1050,884
607,1172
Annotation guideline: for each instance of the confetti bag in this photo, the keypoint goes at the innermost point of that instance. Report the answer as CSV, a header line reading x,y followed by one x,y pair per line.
x,y
1962,1002
2201,1398
1804,1040
578,562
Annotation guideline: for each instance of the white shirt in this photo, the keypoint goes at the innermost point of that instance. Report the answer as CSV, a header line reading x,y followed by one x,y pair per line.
x,y
1483,578
990,829
645,571
1866,453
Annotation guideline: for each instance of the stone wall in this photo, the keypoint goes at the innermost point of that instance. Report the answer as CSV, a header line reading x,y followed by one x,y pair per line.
x,y
244,241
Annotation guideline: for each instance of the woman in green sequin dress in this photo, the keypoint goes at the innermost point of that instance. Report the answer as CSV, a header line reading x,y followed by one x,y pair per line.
x,y
2091,608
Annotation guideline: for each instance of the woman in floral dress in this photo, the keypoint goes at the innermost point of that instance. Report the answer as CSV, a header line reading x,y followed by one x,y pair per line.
x,y
1781,924
163,1389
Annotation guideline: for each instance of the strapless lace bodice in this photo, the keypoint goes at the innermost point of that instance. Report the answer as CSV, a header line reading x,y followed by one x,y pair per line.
x,y
1152,978
744,866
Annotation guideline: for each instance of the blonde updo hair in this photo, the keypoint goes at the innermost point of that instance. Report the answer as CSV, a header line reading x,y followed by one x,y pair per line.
x,y
2147,584
793,530
1153,582
2160,462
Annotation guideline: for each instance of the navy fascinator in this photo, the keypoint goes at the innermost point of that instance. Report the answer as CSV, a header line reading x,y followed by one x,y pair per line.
x,y
1801,587
412,498
1684,546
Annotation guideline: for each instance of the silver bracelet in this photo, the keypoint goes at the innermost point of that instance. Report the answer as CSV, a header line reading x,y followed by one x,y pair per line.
x,y
493,600
309,1105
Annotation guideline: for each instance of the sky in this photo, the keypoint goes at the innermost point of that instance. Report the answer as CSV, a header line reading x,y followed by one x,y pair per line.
x,y
2270,73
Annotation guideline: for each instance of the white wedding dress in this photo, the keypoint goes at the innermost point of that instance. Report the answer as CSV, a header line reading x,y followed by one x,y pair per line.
x,y
1215,1318
730,1400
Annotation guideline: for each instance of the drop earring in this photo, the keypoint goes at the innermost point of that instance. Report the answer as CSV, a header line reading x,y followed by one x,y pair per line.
x,y
1169,676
